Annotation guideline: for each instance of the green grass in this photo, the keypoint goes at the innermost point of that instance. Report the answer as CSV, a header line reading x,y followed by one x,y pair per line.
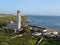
x,y
5,37
50,41
25,40
6,19
17,41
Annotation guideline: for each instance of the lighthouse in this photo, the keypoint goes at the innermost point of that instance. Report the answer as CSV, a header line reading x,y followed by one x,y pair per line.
x,y
18,21
16,26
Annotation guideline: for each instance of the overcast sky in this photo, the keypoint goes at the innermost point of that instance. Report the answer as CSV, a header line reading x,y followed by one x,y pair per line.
x,y
31,7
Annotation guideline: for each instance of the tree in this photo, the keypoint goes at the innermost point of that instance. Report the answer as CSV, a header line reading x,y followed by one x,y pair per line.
x,y
26,30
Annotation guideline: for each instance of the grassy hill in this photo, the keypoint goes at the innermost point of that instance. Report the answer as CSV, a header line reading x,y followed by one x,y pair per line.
x,y
5,37
4,19
50,41
24,40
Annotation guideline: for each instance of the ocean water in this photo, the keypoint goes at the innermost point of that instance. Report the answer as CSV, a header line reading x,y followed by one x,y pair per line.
x,y
52,22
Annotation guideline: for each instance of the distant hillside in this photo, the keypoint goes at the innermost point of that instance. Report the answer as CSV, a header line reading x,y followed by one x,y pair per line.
x,y
4,19
4,15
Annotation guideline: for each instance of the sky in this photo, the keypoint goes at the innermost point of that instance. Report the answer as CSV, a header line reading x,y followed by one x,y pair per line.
x,y
30,7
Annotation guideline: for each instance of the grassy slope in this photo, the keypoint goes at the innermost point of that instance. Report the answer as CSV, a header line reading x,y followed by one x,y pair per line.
x,y
4,19
17,41
50,41
5,38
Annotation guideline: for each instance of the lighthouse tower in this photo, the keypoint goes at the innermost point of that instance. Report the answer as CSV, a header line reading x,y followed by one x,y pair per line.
x,y
18,20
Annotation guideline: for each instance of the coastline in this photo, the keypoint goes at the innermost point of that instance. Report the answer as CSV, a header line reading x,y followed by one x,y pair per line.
x,y
49,22
53,30
48,29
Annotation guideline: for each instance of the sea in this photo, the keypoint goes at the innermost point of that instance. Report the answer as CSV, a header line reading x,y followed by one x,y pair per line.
x,y
51,22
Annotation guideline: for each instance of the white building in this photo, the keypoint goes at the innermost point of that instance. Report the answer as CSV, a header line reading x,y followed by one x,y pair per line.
x,y
16,26
44,30
36,34
55,33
